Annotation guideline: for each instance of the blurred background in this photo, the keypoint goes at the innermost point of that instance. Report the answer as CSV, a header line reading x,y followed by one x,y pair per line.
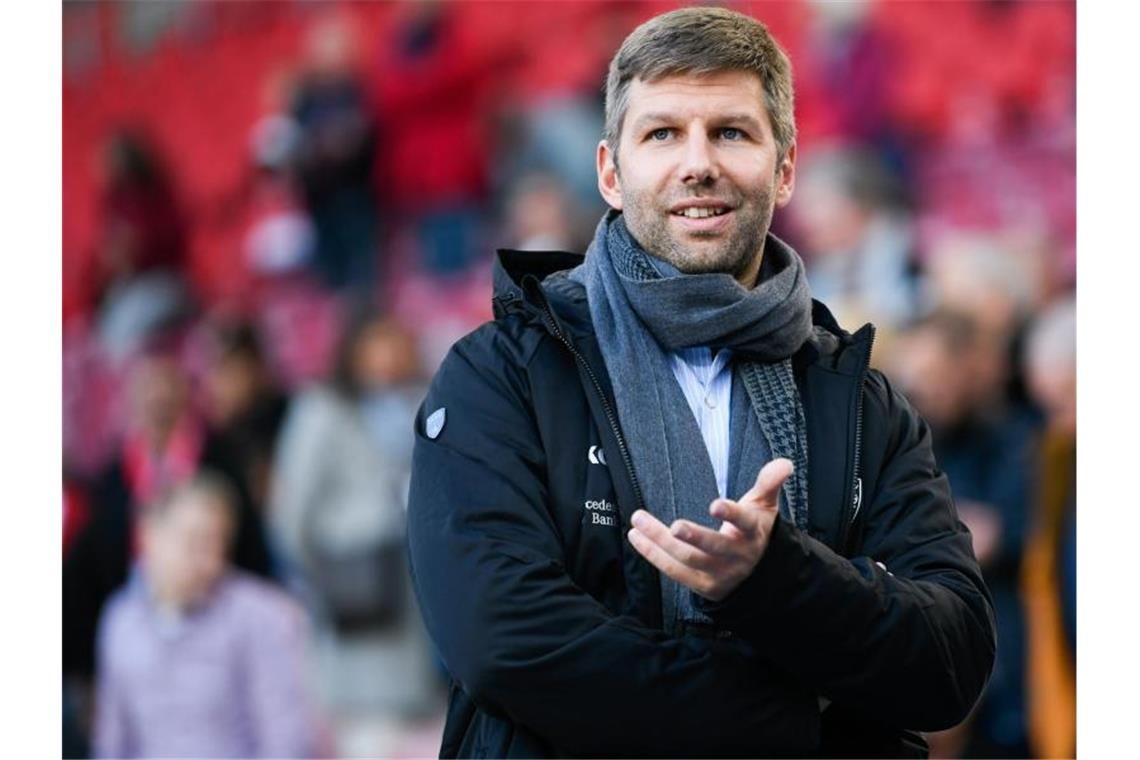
x,y
279,216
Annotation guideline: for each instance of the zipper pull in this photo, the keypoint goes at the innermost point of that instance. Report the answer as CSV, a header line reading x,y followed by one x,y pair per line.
x,y
858,499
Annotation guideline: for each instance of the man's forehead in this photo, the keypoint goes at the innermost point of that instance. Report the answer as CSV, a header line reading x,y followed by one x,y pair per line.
x,y
719,93
193,510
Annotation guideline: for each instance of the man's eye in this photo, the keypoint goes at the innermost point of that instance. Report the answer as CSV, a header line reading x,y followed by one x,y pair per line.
x,y
731,133
661,133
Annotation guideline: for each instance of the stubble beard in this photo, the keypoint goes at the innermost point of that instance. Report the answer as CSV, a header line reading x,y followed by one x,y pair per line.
x,y
730,252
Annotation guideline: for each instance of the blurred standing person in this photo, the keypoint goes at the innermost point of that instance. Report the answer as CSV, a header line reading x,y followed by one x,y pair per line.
x,y
280,236
852,215
848,72
985,451
165,445
432,86
338,506
335,157
138,277
196,658
541,215
999,281
245,406
1049,573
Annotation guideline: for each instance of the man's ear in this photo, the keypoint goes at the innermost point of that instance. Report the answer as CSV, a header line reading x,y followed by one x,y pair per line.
x,y
786,179
609,183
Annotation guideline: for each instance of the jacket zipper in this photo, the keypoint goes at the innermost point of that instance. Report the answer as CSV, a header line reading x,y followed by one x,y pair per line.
x,y
857,481
610,416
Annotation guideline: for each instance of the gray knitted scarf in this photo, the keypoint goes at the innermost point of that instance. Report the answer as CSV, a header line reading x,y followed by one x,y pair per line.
x,y
639,316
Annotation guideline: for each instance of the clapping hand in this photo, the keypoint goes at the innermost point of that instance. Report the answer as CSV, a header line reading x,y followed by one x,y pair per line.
x,y
714,562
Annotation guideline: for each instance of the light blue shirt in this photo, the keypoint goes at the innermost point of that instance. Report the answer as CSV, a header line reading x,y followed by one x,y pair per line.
x,y
706,381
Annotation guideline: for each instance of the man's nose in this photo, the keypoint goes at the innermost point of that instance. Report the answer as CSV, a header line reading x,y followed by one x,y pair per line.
x,y
700,165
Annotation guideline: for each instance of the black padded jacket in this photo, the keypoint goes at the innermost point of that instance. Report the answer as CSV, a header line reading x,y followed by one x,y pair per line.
x,y
550,623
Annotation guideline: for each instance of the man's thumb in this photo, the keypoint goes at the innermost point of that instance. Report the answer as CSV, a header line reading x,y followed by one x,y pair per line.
x,y
766,491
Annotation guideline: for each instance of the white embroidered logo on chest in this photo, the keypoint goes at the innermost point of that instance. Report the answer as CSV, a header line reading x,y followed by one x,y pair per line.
x,y
596,455
602,512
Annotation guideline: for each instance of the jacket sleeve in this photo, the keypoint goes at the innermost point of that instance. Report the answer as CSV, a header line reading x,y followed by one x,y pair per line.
x,y
520,638
910,646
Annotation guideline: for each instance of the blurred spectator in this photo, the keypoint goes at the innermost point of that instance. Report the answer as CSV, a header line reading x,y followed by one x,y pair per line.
x,y
280,236
1051,364
165,445
338,510
561,130
197,659
336,155
1049,575
541,215
853,217
244,404
432,85
998,280
138,269
852,64
985,451
992,277
554,137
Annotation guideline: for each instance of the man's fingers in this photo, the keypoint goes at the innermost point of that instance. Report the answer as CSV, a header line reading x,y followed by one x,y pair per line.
x,y
745,517
685,553
764,495
711,541
663,561
766,491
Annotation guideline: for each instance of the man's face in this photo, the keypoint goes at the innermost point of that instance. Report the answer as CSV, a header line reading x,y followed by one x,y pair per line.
x,y
698,175
159,395
932,376
232,386
186,550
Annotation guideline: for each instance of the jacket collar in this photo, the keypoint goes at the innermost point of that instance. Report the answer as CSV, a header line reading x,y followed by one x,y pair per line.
x,y
511,268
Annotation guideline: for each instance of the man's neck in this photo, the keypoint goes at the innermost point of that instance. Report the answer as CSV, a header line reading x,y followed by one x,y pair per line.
x,y
749,277
167,603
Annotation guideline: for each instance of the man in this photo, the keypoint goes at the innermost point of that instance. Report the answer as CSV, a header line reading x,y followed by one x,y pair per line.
x,y
660,506
196,659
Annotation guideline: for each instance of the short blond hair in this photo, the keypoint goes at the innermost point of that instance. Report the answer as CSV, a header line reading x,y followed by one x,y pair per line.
x,y
702,41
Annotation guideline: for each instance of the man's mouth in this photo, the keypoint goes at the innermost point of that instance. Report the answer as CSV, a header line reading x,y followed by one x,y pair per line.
x,y
701,212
